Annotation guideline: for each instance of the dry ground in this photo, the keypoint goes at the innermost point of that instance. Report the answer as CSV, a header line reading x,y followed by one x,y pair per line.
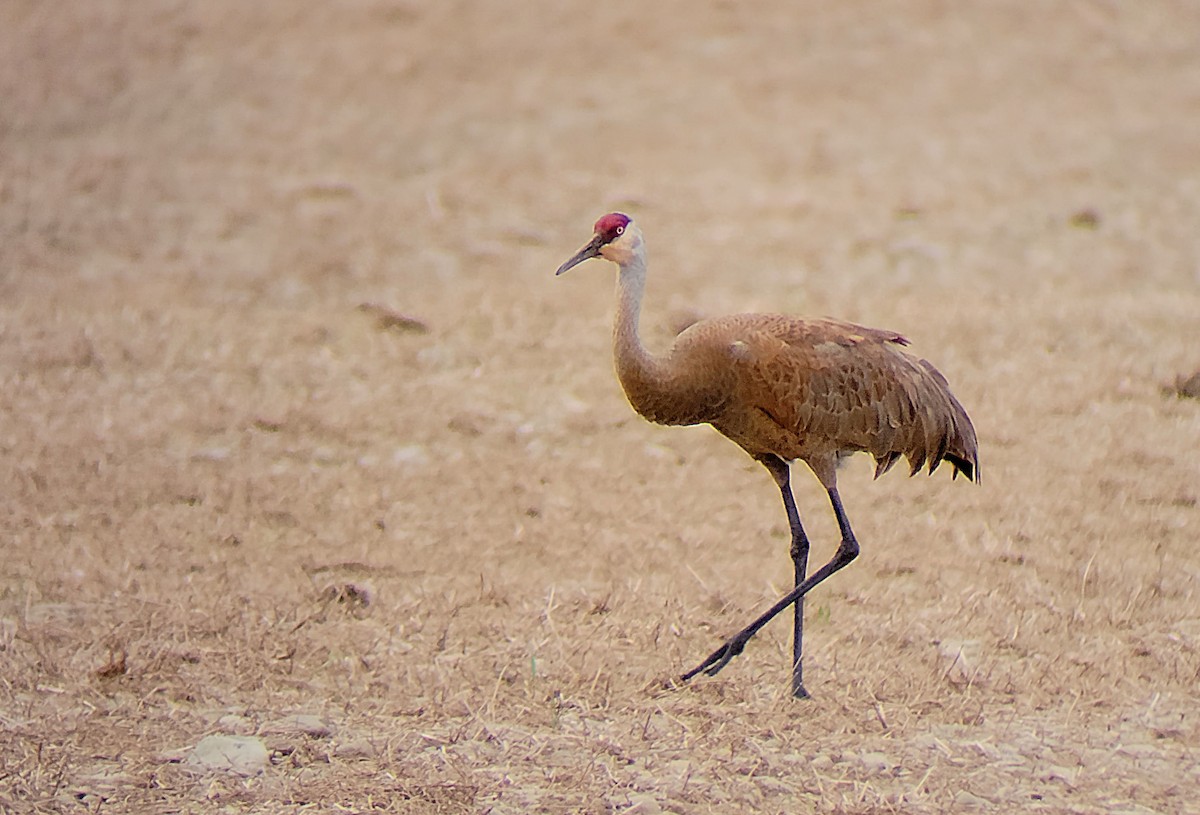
x,y
229,495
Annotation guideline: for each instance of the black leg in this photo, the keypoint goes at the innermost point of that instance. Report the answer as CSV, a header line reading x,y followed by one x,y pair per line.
x,y
781,472
846,552
800,562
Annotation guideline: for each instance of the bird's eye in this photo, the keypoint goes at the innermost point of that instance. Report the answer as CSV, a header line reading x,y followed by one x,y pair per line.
x,y
620,230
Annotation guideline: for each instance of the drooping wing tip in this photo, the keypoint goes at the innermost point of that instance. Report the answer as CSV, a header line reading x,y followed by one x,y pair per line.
x,y
969,469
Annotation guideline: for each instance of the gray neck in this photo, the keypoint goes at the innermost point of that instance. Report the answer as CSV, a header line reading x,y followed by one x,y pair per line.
x,y
638,370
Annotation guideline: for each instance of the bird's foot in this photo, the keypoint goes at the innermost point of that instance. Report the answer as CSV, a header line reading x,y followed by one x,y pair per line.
x,y
719,658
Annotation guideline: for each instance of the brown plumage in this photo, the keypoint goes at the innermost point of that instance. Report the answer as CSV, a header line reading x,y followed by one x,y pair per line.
x,y
783,389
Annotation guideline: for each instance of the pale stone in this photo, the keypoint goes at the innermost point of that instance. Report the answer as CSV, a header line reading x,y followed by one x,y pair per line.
x,y
241,755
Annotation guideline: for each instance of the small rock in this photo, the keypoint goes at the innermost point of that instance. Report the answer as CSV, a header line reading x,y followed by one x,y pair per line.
x,y
241,755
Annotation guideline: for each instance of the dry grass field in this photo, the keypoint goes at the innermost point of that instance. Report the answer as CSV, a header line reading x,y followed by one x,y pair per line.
x,y
301,439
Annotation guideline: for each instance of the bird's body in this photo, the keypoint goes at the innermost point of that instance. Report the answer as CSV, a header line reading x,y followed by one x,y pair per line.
x,y
785,388
812,390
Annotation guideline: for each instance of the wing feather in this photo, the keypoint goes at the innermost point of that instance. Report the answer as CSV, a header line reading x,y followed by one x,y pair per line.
x,y
832,387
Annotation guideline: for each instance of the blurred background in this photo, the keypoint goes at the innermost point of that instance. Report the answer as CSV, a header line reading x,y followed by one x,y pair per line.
x,y
294,415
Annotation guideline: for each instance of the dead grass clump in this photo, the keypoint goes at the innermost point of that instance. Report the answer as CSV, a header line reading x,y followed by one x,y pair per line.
x,y
1186,386
389,319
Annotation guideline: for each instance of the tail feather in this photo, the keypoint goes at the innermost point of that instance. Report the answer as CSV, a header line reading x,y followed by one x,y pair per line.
x,y
942,430
884,463
962,465
964,449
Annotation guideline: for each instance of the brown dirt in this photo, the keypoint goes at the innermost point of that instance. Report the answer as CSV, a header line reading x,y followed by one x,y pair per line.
x,y
230,494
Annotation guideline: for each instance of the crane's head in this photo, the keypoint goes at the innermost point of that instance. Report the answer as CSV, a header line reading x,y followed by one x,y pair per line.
x,y
616,239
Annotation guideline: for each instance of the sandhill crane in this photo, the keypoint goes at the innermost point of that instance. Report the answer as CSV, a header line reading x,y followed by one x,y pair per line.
x,y
784,388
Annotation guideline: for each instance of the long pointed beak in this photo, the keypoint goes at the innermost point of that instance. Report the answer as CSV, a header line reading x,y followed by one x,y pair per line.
x,y
590,251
